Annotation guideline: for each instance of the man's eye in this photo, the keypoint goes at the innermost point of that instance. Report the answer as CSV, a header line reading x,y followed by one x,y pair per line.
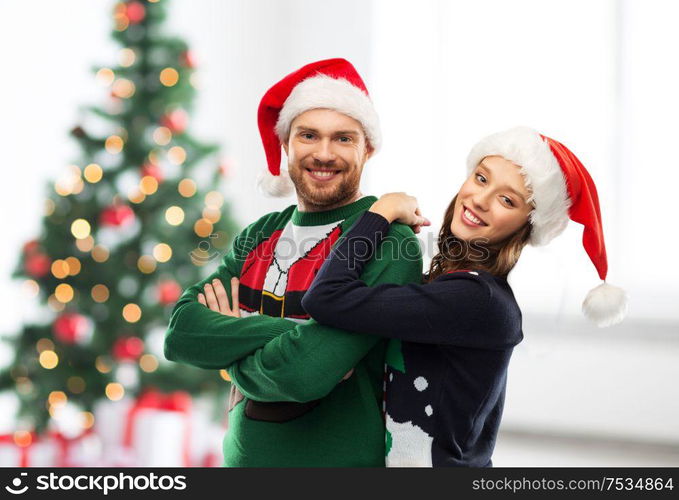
x,y
307,135
480,178
345,139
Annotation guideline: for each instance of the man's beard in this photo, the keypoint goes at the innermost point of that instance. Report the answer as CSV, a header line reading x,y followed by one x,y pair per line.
x,y
321,199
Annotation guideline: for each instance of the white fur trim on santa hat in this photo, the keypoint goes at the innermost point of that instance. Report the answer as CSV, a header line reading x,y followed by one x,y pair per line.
x,y
605,305
275,185
542,176
338,94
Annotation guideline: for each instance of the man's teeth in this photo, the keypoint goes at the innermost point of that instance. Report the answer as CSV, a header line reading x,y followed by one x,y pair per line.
x,y
322,173
471,217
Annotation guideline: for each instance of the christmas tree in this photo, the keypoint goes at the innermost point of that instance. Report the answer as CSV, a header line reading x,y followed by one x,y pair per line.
x,y
138,213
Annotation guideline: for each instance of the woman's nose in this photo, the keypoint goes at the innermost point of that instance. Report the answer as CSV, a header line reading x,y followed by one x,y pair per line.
x,y
481,200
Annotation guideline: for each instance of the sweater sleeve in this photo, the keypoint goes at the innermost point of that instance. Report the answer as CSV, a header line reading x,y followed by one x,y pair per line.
x,y
307,362
455,310
198,336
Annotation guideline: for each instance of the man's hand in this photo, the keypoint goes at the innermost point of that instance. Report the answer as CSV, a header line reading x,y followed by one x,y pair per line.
x,y
215,298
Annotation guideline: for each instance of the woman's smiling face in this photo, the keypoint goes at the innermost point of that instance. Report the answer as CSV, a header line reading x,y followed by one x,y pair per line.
x,y
492,203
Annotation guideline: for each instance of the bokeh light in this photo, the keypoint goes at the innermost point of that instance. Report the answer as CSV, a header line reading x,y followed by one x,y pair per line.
x,y
49,207
135,195
102,364
169,77
214,199
80,228
48,359
126,57
148,185
114,391
57,399
162,252
148,363
203,228
64,293
174,215
60,269
75,384
100,253
31,288
93,173
146,264
44,345
87,419
85,244
132,313
73,265
70,182
100,293
212,214
23,439
177,155
162,136
187,188
114,144
123,88
54,304
105,76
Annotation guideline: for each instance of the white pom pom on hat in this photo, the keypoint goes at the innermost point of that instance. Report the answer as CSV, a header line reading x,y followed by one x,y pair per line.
x,y
330,84
562,190
275,185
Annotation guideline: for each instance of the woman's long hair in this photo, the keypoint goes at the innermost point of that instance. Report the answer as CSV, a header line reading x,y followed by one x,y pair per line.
x,y
455,254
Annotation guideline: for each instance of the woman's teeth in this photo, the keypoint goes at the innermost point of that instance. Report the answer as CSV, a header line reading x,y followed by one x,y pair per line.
x,y
471,217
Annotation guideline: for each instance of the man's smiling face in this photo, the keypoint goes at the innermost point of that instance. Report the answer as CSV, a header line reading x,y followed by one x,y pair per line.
x,y
326,154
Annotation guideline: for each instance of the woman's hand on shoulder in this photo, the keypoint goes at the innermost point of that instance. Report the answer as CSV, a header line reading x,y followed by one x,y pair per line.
x,y
400,207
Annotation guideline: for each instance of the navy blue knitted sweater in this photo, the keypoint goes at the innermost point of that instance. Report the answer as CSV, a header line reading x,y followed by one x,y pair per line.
x,y
446,369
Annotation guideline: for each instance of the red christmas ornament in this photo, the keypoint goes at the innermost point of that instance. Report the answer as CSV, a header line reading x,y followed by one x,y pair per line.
x,y
135,12
128,348
168,292
117,215
31,246
153,170
187,59
37,265
176,121
72,328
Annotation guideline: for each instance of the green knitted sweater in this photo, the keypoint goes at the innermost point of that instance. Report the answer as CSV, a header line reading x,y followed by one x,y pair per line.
x,y
292,408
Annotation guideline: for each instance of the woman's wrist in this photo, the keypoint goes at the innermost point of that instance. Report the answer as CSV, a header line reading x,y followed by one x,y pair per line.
x,y
383,211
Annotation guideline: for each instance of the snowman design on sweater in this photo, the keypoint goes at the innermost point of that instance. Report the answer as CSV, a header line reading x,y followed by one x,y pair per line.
x,y
277,272
409,412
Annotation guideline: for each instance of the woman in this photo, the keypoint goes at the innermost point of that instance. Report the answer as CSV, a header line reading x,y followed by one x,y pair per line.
x,y
445,386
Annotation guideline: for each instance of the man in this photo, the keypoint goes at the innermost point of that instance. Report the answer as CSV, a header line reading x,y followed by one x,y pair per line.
x,y
303,394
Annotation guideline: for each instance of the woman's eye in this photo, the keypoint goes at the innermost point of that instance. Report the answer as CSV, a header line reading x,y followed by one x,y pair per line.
x,y
480,178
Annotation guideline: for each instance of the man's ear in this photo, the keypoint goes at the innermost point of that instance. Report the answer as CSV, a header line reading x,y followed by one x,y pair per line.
x,y
285,147
369,150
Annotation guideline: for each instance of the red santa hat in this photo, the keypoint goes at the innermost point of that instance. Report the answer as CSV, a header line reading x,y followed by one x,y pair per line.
x,y
330,84
561,190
